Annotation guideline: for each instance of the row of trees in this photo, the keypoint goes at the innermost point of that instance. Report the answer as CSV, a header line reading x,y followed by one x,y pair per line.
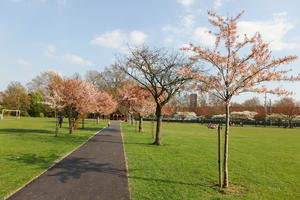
x,y
286,108
16,97
72,97
145,80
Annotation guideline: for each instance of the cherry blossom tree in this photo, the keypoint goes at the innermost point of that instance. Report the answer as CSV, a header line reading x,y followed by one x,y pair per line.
x,y
53,88
139,100
78,97
54,103
244,115
104,104
168,111
288,109
236,65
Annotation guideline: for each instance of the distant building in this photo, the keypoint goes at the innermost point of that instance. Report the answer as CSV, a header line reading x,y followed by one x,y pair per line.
x,y
117,116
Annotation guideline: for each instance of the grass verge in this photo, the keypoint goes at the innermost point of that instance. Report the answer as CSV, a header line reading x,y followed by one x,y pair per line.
x,y
28,147
263,163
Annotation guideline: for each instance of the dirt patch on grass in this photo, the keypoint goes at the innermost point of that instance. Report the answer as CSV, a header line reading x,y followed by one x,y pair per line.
x,y
231,190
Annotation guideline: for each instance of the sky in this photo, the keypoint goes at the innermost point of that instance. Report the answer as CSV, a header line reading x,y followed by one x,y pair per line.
x,y
71,36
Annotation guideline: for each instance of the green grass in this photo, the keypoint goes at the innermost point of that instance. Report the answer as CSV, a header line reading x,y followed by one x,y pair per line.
x,y
28,147
264,161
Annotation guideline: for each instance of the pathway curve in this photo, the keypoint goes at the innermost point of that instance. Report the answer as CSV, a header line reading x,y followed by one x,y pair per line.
x,y
96,170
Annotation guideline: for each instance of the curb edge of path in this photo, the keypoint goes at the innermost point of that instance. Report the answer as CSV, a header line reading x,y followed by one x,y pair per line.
x,y
126,166
54,163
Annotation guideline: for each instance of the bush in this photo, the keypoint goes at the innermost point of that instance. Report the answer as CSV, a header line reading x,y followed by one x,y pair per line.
x,y
24,113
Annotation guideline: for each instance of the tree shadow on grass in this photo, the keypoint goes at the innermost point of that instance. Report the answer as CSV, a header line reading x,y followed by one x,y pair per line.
x,y
22,131
148,144
33,159
170,181
73,168
95,129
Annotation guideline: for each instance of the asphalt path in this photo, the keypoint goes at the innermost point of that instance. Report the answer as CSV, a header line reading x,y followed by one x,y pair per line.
x,y
96,170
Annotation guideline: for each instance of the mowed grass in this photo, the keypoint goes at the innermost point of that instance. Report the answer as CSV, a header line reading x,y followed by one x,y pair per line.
x,y
28,147
263,161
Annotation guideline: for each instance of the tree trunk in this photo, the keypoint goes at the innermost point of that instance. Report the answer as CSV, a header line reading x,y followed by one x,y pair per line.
x,y
73,122
98,119
135,125
140,124
82,123
158,141
225,182
220,155
152,127
70,125
57,124
131,119
71,130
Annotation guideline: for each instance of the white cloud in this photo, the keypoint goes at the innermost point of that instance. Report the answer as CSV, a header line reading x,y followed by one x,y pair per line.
x,y
172,29
49,50
168,40
137,37
273,31
118,40
202,35
114,39
56,72
186,2
24,63
188,21
187,31
77,60
217,4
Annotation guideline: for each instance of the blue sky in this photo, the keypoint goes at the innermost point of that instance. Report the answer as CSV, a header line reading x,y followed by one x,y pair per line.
x,y
75,35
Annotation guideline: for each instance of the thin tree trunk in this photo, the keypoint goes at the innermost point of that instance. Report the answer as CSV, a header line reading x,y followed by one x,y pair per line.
x,y
70,125
152,127
135,125
131,119
57,124
82,123
74,125
220,155
158,141
98,119
225,182
140,124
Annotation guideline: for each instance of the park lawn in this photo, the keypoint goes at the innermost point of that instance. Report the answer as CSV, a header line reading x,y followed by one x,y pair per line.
x,y
264,162
28,147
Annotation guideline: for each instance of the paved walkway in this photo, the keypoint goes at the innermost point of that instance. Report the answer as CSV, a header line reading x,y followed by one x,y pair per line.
x,y
96,170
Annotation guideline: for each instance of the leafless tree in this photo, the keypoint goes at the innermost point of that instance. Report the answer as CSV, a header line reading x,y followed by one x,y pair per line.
x,y
156,70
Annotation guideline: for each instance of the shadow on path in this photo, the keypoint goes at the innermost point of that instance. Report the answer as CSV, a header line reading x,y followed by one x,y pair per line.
x,y
76,167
